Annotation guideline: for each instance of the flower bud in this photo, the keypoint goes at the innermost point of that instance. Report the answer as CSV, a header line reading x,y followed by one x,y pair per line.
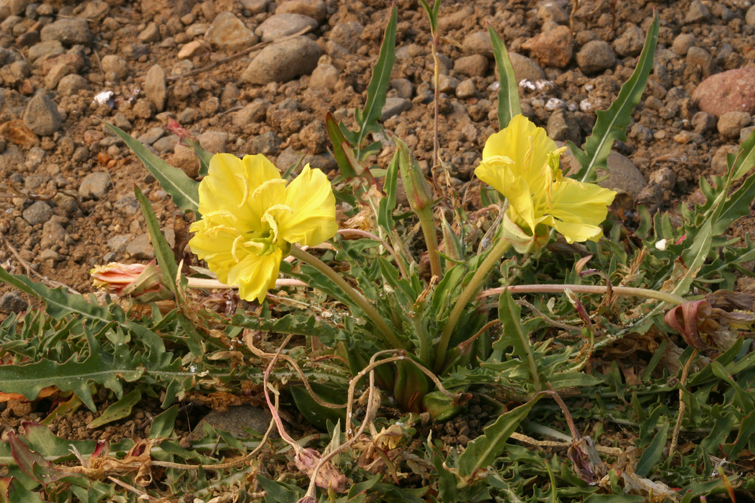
x,y
138,281
417,190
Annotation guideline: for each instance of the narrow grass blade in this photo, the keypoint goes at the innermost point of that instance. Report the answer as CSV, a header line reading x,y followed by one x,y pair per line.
x,y
163,253
508,92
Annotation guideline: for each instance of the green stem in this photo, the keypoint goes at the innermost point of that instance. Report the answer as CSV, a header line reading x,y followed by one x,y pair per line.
x,y
466,295
425,341
355,296
616,290
427,223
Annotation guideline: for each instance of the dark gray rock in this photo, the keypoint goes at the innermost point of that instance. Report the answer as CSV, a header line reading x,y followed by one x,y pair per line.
x,y
12,302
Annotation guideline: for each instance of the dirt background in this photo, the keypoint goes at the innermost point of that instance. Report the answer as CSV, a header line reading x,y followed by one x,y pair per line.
x,y
66,184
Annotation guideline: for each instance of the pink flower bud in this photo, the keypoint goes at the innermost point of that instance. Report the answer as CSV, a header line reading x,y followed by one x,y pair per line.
x,y
138,281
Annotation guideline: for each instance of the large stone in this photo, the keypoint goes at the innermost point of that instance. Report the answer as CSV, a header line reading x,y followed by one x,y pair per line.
x,y
68,31
731,91
283,25
228,33
154,87
95,185
552,47
595,56
283,61
41,115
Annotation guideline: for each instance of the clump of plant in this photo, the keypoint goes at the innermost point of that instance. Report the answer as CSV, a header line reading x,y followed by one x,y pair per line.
x,y
353,290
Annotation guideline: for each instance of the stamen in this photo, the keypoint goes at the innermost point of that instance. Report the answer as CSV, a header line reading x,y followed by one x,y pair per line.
x,y
268,217
265,185
233,247
246,189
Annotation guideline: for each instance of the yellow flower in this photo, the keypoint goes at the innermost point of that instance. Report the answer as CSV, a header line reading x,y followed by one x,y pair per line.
x,y
521,163
250,219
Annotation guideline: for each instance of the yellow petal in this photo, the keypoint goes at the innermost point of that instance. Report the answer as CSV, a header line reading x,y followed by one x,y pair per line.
x,y
214,244
255,275
266,188
520,202
576,202
575,231
514,142
312,218
493,172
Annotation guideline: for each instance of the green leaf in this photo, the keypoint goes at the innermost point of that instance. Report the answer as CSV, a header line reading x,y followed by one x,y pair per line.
x,y
313,411
572,380
432,14
483,451
388,203
339,145
162,426
510,315
163,253
378,87
653,453
278,492
119,410
612,124
614,498
745,158
694,257
735,206
508,91
184,190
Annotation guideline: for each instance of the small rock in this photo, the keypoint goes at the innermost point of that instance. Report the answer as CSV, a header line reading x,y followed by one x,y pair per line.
x,y
255,6
651,196
119,243
12,302
283,25
640,132
595,56
730,91
37,213
697,12
267,144
315,9
745,133
52,234
622,175
447,84
466,89
719,163
563,126
184,159
41,115
115,64
56,74
403,87
314,137
127,206
197,30
165,144
478,43
150,34
140,248
550,11
228,33
750,16
283,61
214,141
697,56
347,35
456,20
95,185
663,177
475,65
18,7
394,106
155,88
630,42
253,112
151,136
551,47
325,76
96,11
685,137
67,31
17,132
122,122
525,68
731,123
48,48
235,420
683,42
193,49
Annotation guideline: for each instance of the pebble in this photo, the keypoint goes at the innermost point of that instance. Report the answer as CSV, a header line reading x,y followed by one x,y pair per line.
x,y
651,196
47,48
283,61
193,49
630,42
184,159
478,43
12,302
214,141
95,185
56,74
697,12
95,11
38,213
730,91
255,6
325,76
150,34
525,68
197,29
750,16
552,47
267,143
595,56
228,33
447,84
151,136
165,144
550,11
253,112
731,123
403,88
347,35
475,65
115,64
140,248
683,42
119,243
456,20
697,56
623,175
155,88
315,9
236,420
50,256
466,89
719,164
41,115
17,132
283,25
394,106
563,126
68,31
664,177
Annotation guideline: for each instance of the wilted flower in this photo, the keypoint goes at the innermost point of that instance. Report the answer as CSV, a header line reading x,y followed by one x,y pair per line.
x,y
250,219
139,281
521,163
328,476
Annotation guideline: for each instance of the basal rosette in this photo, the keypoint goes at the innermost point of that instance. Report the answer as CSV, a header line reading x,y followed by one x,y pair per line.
x,y
251,217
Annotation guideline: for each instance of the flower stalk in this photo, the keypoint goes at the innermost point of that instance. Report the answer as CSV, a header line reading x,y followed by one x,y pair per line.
x,y
355,296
